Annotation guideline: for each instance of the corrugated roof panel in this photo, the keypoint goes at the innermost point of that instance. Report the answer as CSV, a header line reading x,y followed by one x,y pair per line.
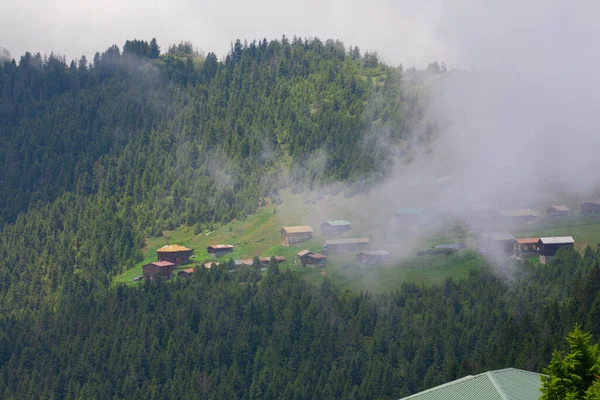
x,y
557,240
347,241
303,253
517,384
528,240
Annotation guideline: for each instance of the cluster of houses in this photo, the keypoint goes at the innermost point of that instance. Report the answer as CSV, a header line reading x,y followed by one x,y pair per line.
x,y
503,243
293,235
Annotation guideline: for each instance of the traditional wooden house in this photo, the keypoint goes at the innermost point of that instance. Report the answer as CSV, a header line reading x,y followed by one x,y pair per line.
x,y
186,273
557,211
550,245
175,254
312,260
290,235
265,260
158,268
372,257
219,250
526,247
590,207
521,216
340,246
330,228
496,243
409,216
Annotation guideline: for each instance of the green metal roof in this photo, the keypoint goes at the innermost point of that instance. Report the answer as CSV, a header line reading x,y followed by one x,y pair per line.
x,y
340,222
503,384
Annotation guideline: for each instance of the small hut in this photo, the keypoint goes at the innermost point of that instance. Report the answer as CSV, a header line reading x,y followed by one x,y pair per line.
x,y
175,254
219,250
186,273
330,228
161,268
557,211
590,207
496,242
290,235
372,257
313,260
526,247
550,245
340,246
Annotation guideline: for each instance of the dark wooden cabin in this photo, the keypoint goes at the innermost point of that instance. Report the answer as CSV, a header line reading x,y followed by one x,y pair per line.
x,y
340,246
590,207
526,247
550,245
557,211
186,273
162,268
496,243
219,250
175,254
312,260
372,257
330,228
290,235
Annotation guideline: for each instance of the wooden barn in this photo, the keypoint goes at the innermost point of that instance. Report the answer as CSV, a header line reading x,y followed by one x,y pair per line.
x,y
557,211
310,259
162,268
175,254
219,250
186,273
526,247
372,257
590,207
550,245
290,235
340,246
265,260
330,228
496,242
409,216
521,216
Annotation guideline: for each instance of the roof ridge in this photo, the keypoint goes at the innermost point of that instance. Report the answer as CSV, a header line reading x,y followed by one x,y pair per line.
x,y
433,389
499,389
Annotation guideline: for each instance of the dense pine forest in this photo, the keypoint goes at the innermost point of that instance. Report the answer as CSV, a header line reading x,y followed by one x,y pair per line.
x,y
99,155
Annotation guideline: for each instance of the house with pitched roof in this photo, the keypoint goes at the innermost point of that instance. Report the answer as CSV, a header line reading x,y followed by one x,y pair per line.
x,y
330,228
175,254
290,235
503,384
549,246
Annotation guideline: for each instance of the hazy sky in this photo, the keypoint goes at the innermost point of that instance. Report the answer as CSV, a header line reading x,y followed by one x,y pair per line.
x,y
403,31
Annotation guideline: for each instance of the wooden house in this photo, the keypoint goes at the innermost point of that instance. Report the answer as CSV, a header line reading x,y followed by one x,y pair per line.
x,y
550,245
290,235
496,243
340,246
265,260
219,250
186,273
161,268
372,257
175,254
330,228
590,207
521,216
557,211
526,247
312,260
409,217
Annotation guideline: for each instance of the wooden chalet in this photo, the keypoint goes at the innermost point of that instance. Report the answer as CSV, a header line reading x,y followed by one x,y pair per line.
x,y
186,273
310,259
163,269
521,216
526,247
290,235
550,245
219,250
590,207
330,228
496,242
372,257
557,211
408,216
175,254
340,246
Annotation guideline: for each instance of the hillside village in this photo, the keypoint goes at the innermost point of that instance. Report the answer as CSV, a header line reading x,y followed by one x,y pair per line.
x,y
492,233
